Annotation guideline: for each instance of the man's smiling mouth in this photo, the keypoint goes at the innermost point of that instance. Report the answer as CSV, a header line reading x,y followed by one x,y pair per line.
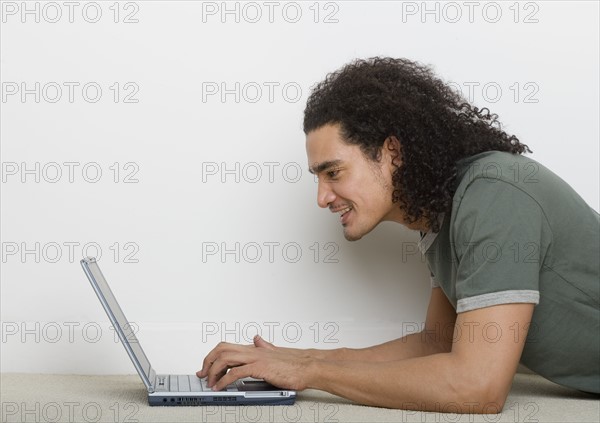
x,y
343,213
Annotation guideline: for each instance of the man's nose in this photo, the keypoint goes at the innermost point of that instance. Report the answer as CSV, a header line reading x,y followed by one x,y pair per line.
x,y
325,195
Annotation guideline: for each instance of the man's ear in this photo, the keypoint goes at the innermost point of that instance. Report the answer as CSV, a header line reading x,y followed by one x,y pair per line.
x,y
391,147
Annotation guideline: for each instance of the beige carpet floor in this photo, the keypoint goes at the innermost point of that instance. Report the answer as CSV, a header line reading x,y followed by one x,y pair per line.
x,y
81,398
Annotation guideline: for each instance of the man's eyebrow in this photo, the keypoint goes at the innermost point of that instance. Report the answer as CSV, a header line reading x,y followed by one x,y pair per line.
x,y
320,167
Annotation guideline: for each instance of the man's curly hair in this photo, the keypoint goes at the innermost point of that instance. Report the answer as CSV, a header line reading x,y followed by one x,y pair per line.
x,y
380,97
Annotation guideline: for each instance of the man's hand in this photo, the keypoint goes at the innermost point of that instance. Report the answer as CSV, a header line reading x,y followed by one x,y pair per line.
x,y
286,368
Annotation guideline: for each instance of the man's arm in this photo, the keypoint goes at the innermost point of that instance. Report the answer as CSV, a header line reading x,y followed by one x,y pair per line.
x,y
474,377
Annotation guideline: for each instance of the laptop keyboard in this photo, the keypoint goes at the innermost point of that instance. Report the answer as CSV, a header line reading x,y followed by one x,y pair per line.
x,y
186,383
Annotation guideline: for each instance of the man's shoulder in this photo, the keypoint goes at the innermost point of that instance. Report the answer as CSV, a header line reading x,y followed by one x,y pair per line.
x,y
494,171
497,183
498,165
503,188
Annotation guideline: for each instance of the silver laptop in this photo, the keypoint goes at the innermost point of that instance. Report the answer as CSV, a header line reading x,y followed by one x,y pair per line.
x,y
179,390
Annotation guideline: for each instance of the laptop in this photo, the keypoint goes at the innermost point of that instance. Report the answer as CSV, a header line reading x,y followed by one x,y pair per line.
x,y
178,390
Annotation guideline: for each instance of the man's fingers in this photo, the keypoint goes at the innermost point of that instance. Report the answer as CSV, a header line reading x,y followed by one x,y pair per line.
x,y
231,376
260,342
210,358
224,362
204,371
217,377
215,372
206,363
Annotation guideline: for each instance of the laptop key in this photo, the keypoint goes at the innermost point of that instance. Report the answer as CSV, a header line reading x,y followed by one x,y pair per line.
x,y
184,383
195,384
173,383
228,388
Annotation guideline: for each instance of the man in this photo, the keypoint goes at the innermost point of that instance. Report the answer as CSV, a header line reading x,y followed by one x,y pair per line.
x,y
512,249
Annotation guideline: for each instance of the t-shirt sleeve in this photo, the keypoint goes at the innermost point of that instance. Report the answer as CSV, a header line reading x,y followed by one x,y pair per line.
x,y
499,240
434,283
432,280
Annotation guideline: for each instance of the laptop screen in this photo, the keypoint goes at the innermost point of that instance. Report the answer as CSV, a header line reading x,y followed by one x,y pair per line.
x,y
118,319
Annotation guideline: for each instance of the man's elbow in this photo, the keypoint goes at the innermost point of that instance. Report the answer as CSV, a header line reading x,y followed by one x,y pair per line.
x,y
493,400
458,392
461,399
485,397
473,392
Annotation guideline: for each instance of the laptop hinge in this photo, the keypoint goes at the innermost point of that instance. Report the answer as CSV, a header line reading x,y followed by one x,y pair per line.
x,y
152,377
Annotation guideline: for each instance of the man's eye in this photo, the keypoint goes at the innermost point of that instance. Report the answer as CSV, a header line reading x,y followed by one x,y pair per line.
x,y
333,173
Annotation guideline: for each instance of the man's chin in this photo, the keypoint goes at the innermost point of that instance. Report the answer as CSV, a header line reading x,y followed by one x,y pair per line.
x,y
352,236
356,234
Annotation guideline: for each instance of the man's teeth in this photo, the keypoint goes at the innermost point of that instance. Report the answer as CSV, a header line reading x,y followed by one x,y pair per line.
x,y
344,211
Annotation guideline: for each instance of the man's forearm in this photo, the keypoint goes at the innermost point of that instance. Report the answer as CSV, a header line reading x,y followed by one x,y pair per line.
x,y
409,346
432,383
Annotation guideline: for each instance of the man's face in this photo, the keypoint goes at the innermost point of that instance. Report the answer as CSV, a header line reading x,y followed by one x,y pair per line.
x,y
358,189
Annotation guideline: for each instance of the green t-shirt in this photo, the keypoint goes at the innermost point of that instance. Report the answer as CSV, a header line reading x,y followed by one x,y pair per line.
x,y
518,233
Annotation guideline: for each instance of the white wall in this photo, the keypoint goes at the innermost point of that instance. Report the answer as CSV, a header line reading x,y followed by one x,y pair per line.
x,y
168,132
